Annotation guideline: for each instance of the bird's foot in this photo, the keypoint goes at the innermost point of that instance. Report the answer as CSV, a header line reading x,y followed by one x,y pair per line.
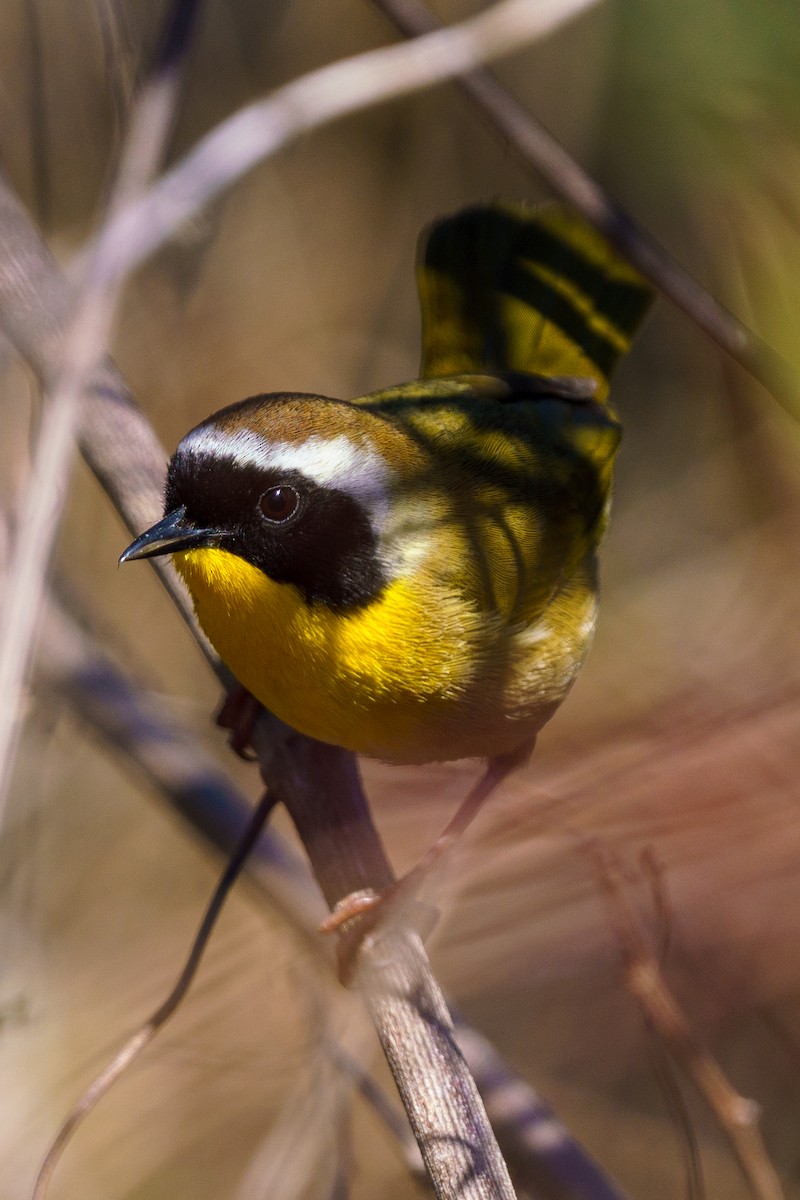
x,y
239,713
357,904
358,915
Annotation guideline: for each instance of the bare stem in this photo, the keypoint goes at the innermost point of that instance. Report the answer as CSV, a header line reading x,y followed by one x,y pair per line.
x,y
350,85
143,1036
736,1115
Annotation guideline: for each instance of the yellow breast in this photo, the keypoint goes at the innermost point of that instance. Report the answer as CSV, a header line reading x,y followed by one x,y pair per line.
x,y
365,680
409,678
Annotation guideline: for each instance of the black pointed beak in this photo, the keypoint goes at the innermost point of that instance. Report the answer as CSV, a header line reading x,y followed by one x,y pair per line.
x,y
173,532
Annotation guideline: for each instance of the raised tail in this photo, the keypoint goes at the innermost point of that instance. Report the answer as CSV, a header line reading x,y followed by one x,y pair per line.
x,y
505,288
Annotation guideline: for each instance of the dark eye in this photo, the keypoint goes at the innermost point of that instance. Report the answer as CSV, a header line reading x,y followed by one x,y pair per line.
x,y
279,503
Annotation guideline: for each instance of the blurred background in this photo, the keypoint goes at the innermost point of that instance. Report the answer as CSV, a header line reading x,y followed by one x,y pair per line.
x,y
681,737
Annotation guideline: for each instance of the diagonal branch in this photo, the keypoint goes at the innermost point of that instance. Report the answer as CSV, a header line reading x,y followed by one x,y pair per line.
x,y
350,85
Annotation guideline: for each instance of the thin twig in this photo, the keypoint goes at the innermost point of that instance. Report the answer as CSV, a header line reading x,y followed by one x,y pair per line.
x,y
736,1115
569,180
669,1084
350,85
143,1036
389,1114
82,348
119,59
653,870
141,727
662,1065
297,1148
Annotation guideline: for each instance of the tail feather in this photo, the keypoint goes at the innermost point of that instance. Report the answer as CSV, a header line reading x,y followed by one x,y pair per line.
x,y
505,288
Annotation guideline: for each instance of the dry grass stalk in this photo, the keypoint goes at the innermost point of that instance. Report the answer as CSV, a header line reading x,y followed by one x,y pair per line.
x,y
737,1116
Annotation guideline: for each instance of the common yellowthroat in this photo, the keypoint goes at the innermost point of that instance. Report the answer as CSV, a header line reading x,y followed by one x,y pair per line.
x,y
412,575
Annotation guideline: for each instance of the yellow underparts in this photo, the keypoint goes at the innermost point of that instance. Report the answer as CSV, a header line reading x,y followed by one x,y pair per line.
x,y
417,675
370,680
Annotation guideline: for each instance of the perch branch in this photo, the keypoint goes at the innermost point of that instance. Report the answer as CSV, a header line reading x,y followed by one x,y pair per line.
x,y
407,1007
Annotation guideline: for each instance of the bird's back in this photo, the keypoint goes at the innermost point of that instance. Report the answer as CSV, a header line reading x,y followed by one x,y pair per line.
x,y
525,315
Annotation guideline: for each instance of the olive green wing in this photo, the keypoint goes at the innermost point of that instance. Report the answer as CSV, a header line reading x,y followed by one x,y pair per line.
x,y
525,315
509,289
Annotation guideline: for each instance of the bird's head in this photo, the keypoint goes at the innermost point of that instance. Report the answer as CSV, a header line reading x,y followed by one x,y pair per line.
x,y
300,487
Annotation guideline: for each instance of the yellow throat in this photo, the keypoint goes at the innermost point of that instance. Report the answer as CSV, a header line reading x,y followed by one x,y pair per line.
x,y
365,680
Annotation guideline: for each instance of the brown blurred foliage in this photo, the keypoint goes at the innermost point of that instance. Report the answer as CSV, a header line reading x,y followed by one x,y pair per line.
x,y
681,735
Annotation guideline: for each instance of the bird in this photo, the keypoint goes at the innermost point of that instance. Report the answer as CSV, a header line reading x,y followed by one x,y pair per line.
x,y
413,574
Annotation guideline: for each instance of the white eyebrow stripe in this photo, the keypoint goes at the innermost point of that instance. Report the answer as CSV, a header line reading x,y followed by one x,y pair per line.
x,y
329,462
